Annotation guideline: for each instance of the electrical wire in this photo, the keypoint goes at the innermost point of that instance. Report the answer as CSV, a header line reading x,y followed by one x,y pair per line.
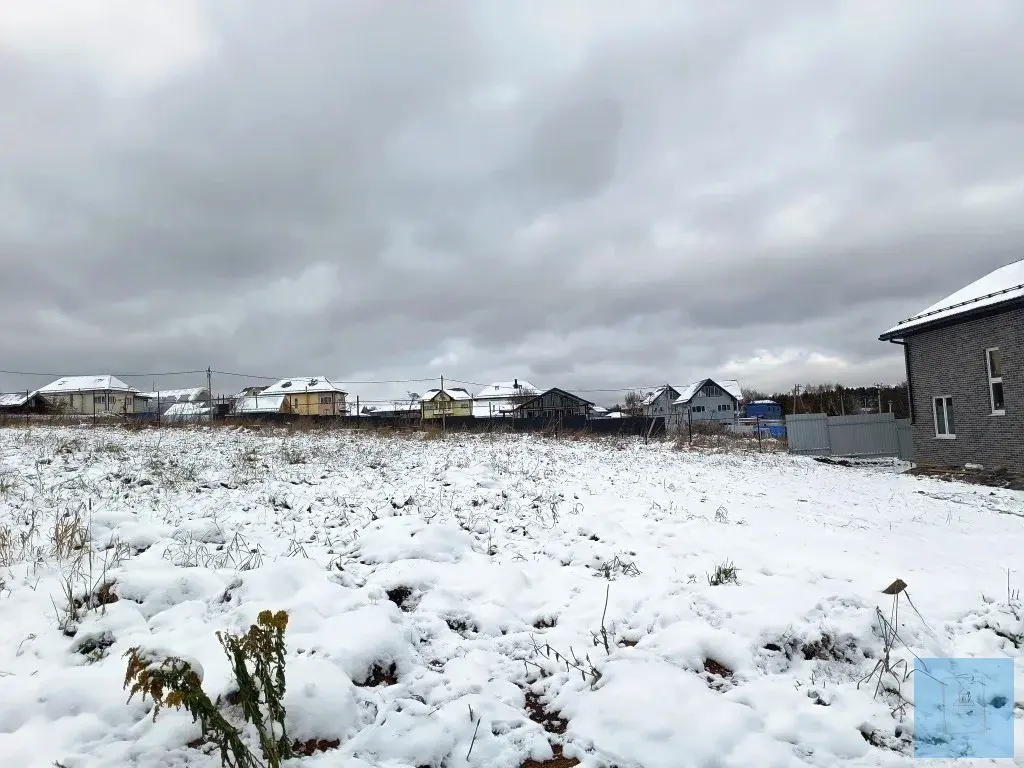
x,y
334,381
278,378
119,375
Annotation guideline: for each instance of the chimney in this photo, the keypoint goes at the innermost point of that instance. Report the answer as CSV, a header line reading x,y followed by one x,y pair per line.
x,y
515,384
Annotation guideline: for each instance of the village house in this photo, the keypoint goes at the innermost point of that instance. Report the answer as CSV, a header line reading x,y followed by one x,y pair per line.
x,y
310,396
257,404
964,357
446,403
408,408
12,403
659,402
90,395
501,398
554,404
707,400
157,403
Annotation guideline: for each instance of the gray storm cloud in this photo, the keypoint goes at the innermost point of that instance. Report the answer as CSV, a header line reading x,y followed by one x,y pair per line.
x,y
646,193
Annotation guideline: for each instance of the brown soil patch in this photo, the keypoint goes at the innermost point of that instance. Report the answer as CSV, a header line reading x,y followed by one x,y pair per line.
x,y
380,676
717,669
993,478
558,761
555,726
105,594
399,596
311,747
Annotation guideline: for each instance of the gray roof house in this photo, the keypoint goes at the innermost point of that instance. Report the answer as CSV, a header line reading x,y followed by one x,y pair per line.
x,y
660,401
501,398
708,400
103,394
964,357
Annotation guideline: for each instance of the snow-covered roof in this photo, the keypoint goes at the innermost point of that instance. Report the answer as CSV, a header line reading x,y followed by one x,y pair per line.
x,y
176,395
764,402
260,404
249,391
650,397
1004,285
15,399
303,384
490,407
455,393
505,389
105,383
186,411
729,385
395,406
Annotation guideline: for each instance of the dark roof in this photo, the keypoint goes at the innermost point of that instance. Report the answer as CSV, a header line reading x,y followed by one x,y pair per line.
x,y
525,405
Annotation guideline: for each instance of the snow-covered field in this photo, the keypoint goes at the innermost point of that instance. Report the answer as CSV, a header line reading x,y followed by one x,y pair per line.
x,y
434,587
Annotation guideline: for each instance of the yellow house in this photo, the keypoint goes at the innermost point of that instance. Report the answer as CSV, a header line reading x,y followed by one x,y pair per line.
x,y
439,403
309,396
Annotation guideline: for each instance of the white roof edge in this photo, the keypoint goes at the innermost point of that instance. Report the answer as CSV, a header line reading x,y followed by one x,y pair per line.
x,y
999,286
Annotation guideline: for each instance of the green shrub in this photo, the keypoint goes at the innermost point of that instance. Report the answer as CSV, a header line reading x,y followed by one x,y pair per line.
x,y
258,663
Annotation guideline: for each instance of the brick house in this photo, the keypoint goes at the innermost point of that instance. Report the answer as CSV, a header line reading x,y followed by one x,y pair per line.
x,y
965,372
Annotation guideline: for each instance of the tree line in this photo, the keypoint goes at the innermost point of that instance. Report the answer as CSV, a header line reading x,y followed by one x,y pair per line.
x,y
839,400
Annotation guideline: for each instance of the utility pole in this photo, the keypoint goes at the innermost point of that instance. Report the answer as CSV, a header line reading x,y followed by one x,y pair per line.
x,y
878,391
209,385
444,424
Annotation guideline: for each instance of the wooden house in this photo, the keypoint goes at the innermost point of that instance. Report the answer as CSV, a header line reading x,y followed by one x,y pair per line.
x,y
553,404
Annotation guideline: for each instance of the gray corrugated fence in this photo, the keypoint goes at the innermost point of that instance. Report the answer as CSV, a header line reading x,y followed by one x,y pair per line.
x,y
863,435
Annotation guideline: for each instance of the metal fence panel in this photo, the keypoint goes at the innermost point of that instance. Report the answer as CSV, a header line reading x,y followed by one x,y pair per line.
x,y
868,434
864,435
808,434
905,436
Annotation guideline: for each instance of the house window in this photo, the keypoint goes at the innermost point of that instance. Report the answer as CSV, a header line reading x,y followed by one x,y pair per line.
x,y
326,399
995,380
712,391
944,426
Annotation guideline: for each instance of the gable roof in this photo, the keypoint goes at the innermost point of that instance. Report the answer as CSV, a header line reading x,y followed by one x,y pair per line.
x,y
506,389
730,386
554,390
650,398
187,410
104,383
303,384
395,407
176,395
15,399
260,404
455,393
1004,286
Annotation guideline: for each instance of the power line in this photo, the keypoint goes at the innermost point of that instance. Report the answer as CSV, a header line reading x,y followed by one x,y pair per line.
x,y
120,375
278,378
335,381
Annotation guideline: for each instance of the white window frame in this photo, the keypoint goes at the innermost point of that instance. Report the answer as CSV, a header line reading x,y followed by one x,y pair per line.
x,y
947,406
993,380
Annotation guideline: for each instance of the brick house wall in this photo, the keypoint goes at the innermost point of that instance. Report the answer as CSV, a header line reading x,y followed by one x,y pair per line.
x,y
951,361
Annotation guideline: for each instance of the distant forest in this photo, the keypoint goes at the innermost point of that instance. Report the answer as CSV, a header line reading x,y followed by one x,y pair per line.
x,y
830,399
837,400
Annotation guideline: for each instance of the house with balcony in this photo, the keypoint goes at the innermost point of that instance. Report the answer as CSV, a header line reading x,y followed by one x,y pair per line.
x,y
309,396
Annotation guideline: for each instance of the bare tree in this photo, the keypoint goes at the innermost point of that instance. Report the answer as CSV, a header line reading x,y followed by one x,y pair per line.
x,y
633,405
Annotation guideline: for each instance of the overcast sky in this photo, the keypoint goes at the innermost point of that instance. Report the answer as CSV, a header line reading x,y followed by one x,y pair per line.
x,y
589,194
